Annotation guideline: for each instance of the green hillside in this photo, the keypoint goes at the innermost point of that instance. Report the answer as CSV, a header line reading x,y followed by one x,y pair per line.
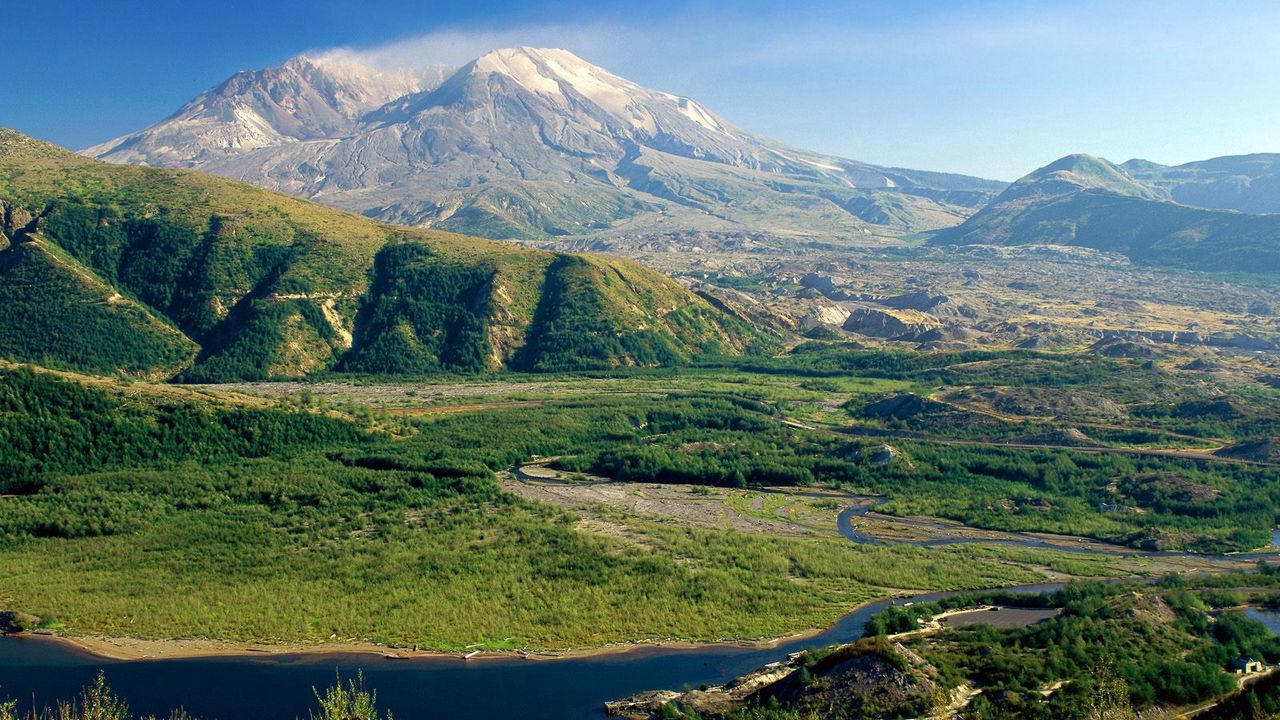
x,y
51,307
1090,202
161,272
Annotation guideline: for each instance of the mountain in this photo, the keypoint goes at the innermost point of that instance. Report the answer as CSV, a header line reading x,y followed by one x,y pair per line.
x,y
1090,202
1247,183
306,98
167,273
538,143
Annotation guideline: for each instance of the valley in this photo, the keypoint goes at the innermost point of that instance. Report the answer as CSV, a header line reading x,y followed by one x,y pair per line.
x,y
399,461
424,446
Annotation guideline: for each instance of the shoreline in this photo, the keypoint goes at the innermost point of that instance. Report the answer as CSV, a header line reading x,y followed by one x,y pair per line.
x,y
133,649
128,649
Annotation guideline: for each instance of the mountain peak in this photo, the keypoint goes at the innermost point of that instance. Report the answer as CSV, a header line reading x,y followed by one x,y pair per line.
x,y
538,70
1076,162
534,53
1084,172
508,60
552,71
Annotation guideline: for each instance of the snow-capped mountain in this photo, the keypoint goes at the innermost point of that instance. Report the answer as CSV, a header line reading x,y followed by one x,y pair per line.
x,y
527,142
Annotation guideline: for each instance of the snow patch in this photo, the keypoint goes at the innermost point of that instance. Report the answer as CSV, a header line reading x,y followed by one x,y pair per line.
x,y
823,165
694,112
611,93
519,65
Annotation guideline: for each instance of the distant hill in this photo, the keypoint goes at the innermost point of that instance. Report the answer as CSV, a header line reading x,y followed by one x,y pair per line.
x,y
160,273
1089,202
530,143
1247,183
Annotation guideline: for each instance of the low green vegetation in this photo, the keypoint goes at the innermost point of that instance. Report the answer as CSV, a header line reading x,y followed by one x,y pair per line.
x,y
1258,701
422,315
135,511
1090,651
57,314
370,513
1150,501
1169,645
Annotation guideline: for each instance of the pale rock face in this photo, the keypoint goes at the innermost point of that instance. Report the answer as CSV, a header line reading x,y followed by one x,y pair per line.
x,y
527,142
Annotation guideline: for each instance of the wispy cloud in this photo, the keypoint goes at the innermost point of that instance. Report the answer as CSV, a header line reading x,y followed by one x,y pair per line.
x,y
719,39
458,46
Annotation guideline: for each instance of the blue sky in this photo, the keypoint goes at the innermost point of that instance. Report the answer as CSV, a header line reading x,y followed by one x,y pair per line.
x,y
987,87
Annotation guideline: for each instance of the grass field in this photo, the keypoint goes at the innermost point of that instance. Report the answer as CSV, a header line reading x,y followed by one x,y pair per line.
x,y
522,580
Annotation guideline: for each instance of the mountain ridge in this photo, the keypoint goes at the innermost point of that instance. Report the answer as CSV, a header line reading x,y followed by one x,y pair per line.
x,y
1091,202
1245,183
306,97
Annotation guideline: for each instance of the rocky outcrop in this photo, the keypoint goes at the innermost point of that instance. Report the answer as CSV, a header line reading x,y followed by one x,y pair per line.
x,y
942,307
13,622
885,454
1239,341
1069,437
953,334
825,315
1139,348
889,324
901,407
715,700
17,224
870,678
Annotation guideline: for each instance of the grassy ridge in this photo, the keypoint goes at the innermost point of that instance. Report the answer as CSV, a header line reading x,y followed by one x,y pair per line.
x,y
270,286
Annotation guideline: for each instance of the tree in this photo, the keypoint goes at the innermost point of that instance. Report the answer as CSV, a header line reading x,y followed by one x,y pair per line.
x,y
1110,697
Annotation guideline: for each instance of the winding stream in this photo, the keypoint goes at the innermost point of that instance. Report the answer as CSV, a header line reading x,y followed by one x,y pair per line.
x,y
845,525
